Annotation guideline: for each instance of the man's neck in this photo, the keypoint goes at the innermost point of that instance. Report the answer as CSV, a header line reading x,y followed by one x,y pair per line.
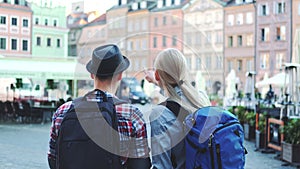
x,y
105,87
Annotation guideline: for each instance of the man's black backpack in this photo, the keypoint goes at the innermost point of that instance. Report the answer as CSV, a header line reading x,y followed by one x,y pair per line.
x,y
88,136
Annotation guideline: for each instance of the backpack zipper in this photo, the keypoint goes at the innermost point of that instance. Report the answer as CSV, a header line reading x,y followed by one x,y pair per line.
x,y
211,151
210,142
218,149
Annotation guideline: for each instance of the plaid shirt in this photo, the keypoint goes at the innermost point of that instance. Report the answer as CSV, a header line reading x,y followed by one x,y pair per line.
x,y
130,123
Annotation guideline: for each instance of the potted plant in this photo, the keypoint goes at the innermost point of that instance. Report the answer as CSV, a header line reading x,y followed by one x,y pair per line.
x,y
249,124
260,134
291,143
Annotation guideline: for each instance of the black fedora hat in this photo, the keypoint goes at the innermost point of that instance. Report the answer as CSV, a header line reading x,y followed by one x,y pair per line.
x,y
107,60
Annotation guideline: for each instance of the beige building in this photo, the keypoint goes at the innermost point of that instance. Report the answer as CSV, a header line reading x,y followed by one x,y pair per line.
x,y
93,35
203,43
239,42
137,39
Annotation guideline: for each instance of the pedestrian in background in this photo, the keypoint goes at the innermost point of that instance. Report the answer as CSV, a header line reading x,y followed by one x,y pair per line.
x,y
167,131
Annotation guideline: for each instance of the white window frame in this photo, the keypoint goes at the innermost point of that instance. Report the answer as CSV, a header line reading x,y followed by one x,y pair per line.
x,y
18,21
39,18
28,45
11,44
51,42
60,43
29,24
6,42
230,20
264,60
57,22
48,22
279,59
6,20
41,41
239,19
249,17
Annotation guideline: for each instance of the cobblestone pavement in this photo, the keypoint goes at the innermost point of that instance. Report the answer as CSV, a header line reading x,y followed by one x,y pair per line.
x,y
24,146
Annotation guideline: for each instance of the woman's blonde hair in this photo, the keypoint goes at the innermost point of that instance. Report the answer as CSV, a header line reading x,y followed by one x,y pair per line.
x,y
173,71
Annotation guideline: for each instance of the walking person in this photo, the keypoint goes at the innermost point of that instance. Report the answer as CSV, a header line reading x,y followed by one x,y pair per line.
x,y
167,131
80,137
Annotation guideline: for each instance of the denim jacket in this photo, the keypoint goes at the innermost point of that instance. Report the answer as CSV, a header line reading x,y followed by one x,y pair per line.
x,y
167,138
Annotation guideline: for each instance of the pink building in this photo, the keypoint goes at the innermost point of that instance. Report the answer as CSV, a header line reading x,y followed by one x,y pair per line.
x,y
166,27
239,29
273,36
15,28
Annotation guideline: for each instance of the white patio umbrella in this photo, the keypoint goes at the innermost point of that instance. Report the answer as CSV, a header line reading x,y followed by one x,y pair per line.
x,y
278,80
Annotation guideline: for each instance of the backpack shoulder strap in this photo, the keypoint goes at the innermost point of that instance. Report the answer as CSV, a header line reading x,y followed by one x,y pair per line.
x,y
172,105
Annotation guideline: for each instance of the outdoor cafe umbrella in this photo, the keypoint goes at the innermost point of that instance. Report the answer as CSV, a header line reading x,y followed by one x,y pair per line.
x,y
276,80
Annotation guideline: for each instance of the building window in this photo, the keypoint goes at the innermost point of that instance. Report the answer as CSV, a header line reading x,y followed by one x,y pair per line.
x,y
14,45
280,8
38,41
219,62
164,41
17,2
36,21
230,20
144,44
174,40
3,43
58,43
249,18
25,23
164,20
2,20
249,65
264,60
240,40
155,21
230,66
280,33
208,37
299,9
54,22
198,39
265,34
249,40
137,25
46,22
154,42
264,10
240,65
219,37
137,45
208,62
198,63
279,60
239,19
230,41
48,42
14,21
25,45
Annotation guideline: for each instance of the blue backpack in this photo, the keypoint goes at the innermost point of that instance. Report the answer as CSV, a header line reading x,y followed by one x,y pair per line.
x,y
214,138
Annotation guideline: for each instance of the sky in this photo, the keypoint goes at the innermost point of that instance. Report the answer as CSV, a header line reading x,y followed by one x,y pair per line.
x,y
89,5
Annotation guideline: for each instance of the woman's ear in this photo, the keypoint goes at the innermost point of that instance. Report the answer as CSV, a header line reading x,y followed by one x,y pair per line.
x,y
157,77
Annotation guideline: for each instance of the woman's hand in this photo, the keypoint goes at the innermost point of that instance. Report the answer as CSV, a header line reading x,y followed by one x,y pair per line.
x,y
150,77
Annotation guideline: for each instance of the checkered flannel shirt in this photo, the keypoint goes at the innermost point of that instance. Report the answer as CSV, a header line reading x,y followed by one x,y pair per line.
x,y
130,123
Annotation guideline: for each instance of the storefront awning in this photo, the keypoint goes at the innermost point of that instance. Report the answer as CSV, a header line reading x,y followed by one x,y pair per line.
x,y
42,69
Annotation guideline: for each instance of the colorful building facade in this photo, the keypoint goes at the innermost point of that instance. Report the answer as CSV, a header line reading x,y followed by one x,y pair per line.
x,y
49,30
15,28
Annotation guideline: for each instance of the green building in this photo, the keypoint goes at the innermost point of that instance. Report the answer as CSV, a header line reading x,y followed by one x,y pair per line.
x,y
49,30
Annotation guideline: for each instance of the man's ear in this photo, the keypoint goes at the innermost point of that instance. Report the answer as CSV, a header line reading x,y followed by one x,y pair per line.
x,y
120,76
157,77
92,76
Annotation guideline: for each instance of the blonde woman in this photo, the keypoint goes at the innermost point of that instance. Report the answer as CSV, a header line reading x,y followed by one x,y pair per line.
x,y
167,131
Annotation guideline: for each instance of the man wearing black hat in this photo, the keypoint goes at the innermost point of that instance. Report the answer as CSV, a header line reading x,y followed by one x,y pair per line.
x,y
106,68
